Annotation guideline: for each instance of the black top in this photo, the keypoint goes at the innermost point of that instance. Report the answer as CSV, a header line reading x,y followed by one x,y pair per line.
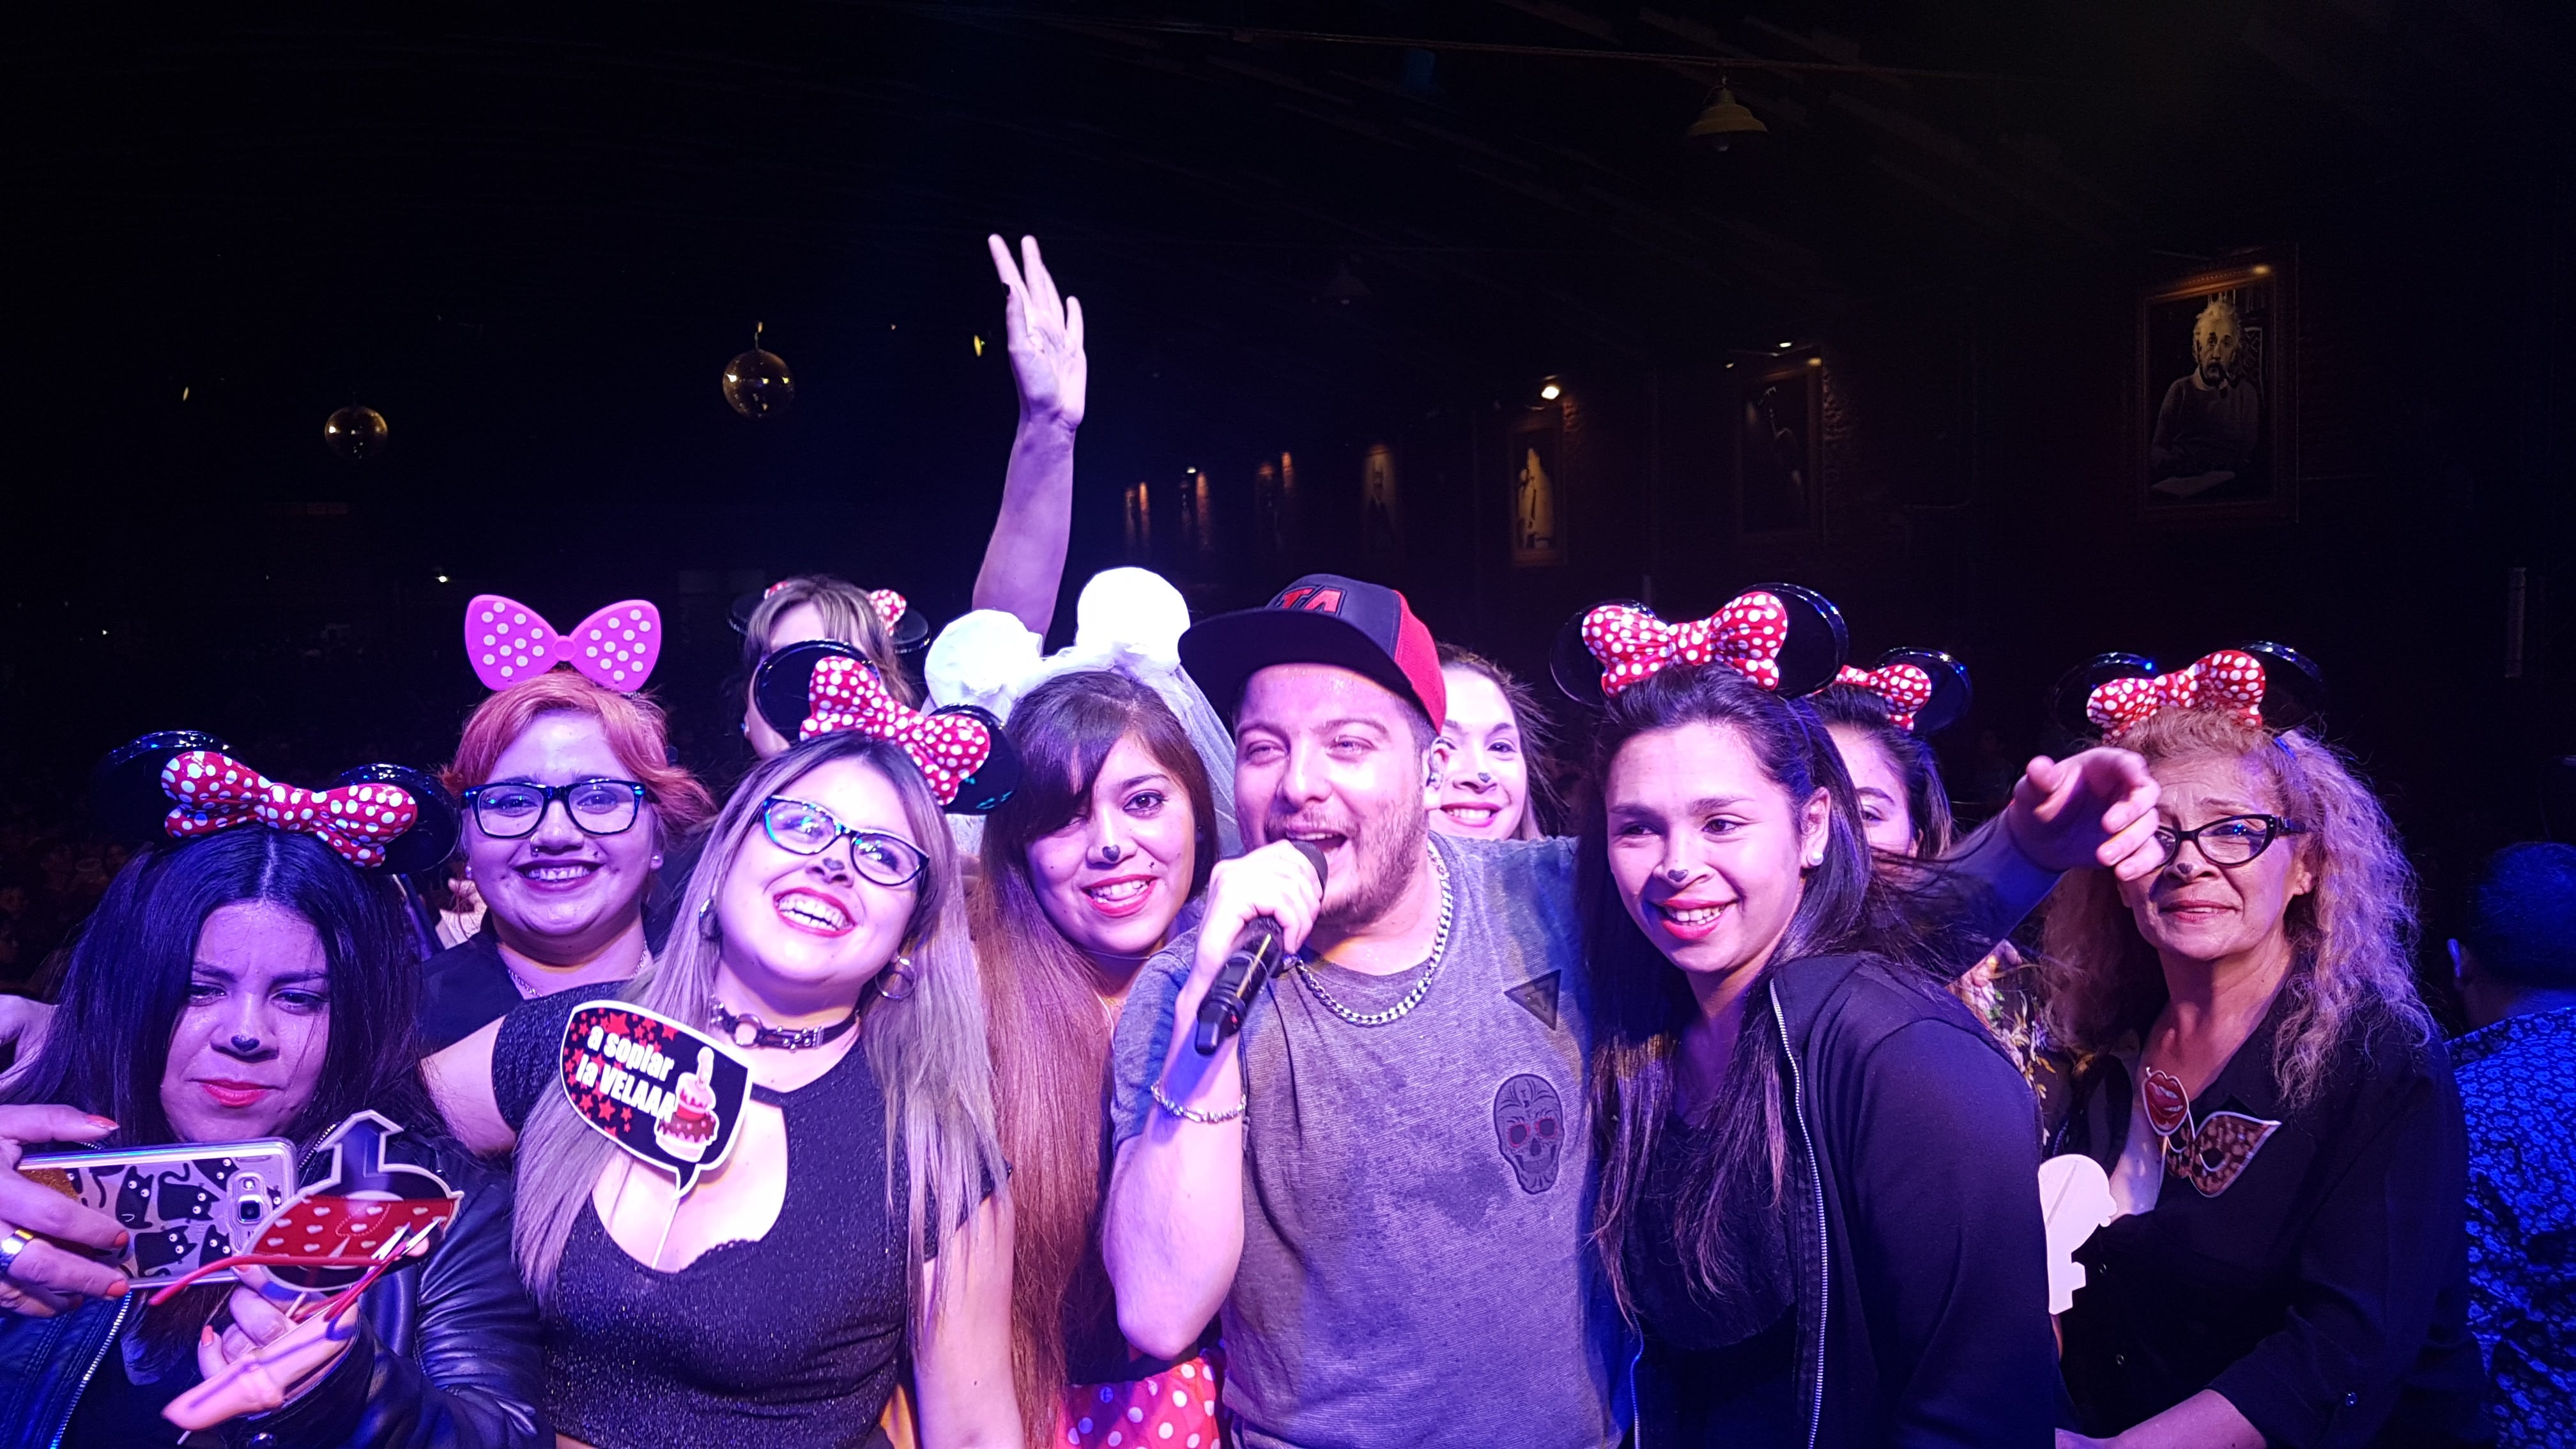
x,y
1731,1363
2324,1291
788,1342
1916,1264
464,989
119,1413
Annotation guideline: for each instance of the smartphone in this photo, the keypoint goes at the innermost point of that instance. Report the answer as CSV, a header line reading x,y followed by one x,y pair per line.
x,y
184,1206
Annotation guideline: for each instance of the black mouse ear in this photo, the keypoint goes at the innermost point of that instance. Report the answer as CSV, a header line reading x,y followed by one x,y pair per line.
x,y
2294,688
432,837
779,690
2068,701
1816,645
1951,692
1570,660
910,631
738,613
125,795
992,782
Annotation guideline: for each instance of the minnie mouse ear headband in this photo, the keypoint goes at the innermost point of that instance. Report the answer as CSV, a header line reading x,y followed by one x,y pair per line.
x,y
1926,690
181,785
1788,640
909,629
2260,685
506,642
1127,619
824,686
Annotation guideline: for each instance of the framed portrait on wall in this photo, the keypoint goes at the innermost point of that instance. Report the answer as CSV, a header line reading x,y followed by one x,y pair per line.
x,y
1533,453
1780,447
2215,400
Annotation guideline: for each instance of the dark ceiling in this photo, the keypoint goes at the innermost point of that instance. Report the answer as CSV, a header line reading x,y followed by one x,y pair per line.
x,y
532,239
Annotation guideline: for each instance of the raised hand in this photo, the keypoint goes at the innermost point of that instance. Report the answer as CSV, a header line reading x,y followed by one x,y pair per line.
x,y
1043,331
2097,808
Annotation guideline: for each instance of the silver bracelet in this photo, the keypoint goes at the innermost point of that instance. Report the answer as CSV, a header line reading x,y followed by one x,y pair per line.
x,y
1188,1114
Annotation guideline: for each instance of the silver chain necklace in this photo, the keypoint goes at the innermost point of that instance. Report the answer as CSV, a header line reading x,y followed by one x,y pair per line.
x,y
1421,988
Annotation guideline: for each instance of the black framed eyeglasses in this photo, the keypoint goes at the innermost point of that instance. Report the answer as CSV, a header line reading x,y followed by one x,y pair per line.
x,y
803,828
512,810
2229,839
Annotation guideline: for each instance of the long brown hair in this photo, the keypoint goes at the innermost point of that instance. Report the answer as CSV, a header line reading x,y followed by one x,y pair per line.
x,y
2352,935
1540,808
926,1048
848,615
1050,1038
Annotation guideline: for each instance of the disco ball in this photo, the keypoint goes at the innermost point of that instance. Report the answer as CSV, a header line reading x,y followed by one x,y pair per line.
x,y
757,385
355,433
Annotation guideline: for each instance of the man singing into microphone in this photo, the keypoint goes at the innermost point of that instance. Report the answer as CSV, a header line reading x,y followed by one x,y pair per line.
x,y
1384,1182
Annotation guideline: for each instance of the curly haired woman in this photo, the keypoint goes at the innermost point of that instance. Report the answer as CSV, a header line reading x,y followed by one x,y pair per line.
x,y
2275,1111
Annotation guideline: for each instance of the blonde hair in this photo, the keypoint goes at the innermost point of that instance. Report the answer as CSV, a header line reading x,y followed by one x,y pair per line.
x,y
849,615
926,1048
2352,935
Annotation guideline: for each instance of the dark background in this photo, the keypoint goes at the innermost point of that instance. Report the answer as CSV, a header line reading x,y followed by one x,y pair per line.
x,y
533,242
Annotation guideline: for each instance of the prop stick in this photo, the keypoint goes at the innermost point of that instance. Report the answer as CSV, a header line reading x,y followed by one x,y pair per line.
x,y
265,1378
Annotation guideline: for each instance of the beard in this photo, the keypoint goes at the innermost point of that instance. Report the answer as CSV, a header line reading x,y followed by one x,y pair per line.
x,y
1386,849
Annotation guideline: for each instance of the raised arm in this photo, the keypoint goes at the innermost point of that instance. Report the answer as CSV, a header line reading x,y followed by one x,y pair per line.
x,y
1174,1228
1024,562
2097,808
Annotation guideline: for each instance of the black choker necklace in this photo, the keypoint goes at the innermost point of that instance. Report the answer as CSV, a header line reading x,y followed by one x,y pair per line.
x,y
746,1030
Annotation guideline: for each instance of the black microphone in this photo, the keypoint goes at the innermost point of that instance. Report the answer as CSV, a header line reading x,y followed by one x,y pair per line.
x,y
1255,955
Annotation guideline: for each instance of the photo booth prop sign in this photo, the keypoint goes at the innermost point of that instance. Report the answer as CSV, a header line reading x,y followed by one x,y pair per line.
x,y
672,1097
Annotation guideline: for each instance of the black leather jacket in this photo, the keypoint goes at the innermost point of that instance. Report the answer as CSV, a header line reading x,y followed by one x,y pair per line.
x,y
447,1355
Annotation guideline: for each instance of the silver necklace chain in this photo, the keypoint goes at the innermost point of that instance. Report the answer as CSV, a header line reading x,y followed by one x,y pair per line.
x,y
1421,988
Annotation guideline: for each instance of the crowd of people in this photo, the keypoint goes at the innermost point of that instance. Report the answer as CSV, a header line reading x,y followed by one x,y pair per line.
x,y
1711,1103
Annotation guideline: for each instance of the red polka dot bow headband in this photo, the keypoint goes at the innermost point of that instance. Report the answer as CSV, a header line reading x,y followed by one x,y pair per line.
x,y
904,623
1781,637
181,785
2257,685
823,687
1924,690
506,641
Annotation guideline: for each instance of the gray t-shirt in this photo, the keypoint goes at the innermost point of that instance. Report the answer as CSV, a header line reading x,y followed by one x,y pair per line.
x,y
1417,1195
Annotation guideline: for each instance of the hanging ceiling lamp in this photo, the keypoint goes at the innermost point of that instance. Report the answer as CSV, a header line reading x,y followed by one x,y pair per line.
x,y
1725,119
355,433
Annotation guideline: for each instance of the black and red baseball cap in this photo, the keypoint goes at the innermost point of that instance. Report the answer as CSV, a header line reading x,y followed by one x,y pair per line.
x,y
1365,628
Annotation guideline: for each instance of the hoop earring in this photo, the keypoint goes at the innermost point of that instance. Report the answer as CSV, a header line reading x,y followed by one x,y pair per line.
x,y
708,930
900,970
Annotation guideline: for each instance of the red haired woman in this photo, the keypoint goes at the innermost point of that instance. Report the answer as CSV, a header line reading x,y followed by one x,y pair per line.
x,y
571,803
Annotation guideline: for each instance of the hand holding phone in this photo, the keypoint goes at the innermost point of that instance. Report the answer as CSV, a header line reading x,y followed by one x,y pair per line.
x,y
48,1273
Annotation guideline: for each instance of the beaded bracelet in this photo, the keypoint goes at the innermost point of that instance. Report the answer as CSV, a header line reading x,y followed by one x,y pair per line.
x,y
1187,1114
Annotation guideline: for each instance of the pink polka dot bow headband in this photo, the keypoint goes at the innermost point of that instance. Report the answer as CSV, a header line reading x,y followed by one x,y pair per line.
x,y
506,642
2258,685
182,785
823,687
1924,690
1783,638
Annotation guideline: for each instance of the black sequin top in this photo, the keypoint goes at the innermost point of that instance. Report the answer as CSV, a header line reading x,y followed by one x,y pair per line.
x,y
790,1342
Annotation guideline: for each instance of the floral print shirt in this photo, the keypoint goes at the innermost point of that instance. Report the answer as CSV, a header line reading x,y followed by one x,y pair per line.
x,y
2518,1087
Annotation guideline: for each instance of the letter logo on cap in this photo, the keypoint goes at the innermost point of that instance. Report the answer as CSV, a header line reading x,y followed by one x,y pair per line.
x,y
1312,600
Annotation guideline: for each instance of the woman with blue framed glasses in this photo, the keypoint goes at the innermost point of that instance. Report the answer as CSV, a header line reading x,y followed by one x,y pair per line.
x,y
571,804
858,1223
2284,1142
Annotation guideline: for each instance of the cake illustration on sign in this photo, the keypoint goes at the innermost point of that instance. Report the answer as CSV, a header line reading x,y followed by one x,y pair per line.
x,y
692,1123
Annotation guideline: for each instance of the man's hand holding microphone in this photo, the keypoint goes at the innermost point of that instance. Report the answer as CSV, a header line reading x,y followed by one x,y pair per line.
x,y
1261,907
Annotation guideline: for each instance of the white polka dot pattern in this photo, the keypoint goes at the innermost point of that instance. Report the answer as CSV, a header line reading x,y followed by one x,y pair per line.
x,y
890,606
845,694
506,641
2230,681
1633,645
1177,1407
217,792
1905,687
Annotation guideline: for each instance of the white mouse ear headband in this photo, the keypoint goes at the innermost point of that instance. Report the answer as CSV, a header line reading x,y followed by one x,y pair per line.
x,y
1129,620
617,646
